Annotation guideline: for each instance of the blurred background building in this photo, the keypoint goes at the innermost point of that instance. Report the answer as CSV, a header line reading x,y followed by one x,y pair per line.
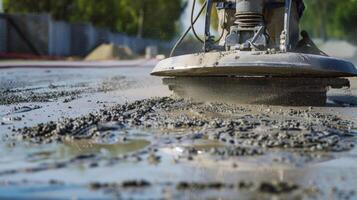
x,y
62,28
74,28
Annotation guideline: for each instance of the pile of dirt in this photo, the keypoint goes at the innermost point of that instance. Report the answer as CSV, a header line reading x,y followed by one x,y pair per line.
x,y
110,52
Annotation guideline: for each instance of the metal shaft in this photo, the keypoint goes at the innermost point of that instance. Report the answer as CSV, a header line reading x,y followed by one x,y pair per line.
x,y
208,25
285,36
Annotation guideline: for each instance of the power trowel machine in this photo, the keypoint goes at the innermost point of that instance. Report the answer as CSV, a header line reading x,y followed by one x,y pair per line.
x,y
257,39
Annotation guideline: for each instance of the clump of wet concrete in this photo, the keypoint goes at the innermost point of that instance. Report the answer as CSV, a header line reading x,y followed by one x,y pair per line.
x,y
125,185
114,83
234,151
308,140
277,187
204,190
24,109
304,130
204,186
92,125
272,187
263,187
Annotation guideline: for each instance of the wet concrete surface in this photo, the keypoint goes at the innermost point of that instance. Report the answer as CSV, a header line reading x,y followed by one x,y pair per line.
x,y
119,133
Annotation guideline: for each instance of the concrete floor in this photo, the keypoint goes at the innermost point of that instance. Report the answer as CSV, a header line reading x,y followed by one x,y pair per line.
x,y
72,92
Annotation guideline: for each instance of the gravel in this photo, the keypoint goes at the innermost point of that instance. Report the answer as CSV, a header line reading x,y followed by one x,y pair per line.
x,y
294,129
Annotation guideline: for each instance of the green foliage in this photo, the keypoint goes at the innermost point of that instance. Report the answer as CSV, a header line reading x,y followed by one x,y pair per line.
x,y
59,9
331,19
156,18
160,17
347,18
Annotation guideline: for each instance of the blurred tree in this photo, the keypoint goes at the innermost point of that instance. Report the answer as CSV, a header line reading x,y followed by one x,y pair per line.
x,y
146,18
59,9
321,11
160,17
322,18
346,19
331,19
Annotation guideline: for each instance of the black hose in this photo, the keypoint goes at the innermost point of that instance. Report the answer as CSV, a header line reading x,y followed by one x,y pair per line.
x,y
188,30
192,24
220,37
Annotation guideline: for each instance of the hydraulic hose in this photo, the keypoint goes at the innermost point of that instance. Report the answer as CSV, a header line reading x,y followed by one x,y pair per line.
x,y
192,21
188,30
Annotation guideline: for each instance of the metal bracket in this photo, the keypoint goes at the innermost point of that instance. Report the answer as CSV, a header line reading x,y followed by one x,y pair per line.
x,y
226,5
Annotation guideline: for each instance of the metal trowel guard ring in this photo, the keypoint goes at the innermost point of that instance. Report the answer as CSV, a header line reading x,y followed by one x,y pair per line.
x,y
254,63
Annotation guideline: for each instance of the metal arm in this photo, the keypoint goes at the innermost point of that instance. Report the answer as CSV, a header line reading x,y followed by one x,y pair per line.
x,y
208,38
285,35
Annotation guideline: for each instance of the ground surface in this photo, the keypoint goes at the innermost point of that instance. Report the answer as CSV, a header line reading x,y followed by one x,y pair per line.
x,y
118,133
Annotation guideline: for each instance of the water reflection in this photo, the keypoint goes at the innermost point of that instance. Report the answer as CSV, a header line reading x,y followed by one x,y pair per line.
x,y
80,147
256,90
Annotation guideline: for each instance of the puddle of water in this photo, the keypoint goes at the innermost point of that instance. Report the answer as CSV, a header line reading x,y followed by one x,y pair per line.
x,y
75,148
